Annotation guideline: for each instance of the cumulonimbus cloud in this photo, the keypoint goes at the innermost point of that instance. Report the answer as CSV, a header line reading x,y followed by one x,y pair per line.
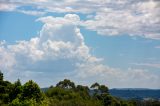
x,y
59,51
58,48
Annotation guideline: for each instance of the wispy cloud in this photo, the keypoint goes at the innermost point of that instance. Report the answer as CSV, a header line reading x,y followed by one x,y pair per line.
x,y
152,65
134,19
7,6
32,12
113,18
157,47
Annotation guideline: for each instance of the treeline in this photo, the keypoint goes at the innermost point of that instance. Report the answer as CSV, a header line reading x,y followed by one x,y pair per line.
x,y
65,93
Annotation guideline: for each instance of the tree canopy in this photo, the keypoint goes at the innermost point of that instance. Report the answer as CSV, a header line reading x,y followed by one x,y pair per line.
x,y
65,93
1,76
67,84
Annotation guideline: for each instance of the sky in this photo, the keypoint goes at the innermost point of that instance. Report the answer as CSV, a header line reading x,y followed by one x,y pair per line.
x,y
112,42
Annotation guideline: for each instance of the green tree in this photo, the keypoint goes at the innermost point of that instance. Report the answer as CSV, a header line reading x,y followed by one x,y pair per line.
x,y
95,85
82,88
83,91
16,90
66,84
32,91
1,76
99,89
5,87
103,89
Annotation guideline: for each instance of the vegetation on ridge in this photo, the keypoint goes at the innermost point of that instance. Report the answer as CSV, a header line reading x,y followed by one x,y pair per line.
x,y
65,93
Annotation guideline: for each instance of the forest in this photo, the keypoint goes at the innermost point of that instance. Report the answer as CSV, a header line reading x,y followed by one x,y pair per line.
x,y
64,93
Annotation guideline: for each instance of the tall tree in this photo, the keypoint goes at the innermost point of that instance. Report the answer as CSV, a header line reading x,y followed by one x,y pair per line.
x,y
31,90
95,85
1,76
83,91
67,84
16,90
4,89
103,89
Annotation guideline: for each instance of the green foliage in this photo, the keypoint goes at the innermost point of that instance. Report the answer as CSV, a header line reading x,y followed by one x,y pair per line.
x,y
31,91
66,84
29,102
99,89
60,94
66,93
1,76
16,90
103,89
95,85
5,88
75,102
83,91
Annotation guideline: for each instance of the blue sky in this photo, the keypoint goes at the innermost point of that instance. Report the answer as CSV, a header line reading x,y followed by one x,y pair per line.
x,y
114,45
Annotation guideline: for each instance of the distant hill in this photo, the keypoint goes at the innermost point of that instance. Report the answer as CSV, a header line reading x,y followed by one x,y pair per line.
x,y
135,93
131,93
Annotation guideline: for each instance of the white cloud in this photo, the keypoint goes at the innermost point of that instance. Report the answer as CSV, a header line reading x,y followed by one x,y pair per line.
x,y
7,6
114,78
127,17
152,65
7,60
136,19
34,13
157,47
58,52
